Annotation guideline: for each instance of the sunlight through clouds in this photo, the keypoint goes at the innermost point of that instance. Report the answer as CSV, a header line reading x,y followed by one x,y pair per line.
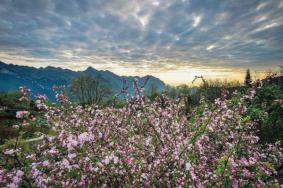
x,y
137,37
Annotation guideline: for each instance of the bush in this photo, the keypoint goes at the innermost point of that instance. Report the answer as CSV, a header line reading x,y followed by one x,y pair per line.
x,y
267,109
9,106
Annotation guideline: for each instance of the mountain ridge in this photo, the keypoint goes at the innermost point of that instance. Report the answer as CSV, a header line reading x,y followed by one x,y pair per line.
x,y
41,80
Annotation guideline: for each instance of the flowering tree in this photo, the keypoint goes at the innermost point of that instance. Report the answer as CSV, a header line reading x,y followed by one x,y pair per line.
x,y
143,144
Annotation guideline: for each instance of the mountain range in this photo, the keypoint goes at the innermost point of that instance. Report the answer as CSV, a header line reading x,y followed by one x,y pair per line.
x,y
41,80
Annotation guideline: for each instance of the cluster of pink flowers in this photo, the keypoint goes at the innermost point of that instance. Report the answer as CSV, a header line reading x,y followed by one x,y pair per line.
x,y
21,114
41,97
14,178
62,98
40,102
146,144
15,126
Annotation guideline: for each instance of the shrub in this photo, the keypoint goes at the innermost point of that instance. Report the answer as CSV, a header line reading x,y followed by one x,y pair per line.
x,y
267,109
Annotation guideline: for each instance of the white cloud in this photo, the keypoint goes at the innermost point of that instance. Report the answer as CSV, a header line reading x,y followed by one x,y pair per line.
x,y
196,20
143,20
210,47
156,3
267,26
261,6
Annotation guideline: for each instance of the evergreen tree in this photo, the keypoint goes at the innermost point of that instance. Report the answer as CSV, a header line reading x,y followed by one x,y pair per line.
x,y
248,79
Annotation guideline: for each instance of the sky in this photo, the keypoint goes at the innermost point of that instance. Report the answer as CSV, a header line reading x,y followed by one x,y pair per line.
x,y
173,40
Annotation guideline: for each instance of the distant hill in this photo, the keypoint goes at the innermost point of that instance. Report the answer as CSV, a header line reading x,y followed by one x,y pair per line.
x,y
41,80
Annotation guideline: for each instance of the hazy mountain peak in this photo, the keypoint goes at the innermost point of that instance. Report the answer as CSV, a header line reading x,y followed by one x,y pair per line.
x,y
41,80
90,69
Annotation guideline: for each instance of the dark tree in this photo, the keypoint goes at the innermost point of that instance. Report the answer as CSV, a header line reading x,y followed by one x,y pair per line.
x,y
90,90
248,79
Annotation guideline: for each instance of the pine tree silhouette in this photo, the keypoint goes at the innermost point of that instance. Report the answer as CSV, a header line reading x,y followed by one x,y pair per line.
x,y
248,79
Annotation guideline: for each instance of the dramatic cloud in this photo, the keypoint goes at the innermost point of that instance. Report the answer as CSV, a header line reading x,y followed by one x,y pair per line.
x,y
143,36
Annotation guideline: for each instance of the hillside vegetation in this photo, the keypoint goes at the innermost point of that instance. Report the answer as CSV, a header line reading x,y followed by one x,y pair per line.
x,y
233,141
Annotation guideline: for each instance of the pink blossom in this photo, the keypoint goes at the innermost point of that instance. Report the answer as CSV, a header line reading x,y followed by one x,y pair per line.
x,y
21,114
9,152
45,163
15,126
41,97
72,155
12,185
235,183
85,137
244,161
66,163
20,173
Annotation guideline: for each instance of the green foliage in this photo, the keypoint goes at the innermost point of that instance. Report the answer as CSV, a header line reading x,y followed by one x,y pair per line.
x,y
213,89
9,105
114,102
267,109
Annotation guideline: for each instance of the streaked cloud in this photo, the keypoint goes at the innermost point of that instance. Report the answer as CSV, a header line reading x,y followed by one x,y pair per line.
x,y
158,37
